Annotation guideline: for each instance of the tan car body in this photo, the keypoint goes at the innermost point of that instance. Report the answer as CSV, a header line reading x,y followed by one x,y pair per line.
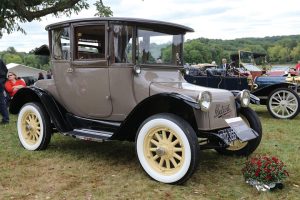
x,y
122,79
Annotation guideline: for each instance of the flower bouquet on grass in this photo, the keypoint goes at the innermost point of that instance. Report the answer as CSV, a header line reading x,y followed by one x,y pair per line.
x,y
265,172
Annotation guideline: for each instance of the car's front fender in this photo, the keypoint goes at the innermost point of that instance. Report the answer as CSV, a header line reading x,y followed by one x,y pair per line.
x,y
35,94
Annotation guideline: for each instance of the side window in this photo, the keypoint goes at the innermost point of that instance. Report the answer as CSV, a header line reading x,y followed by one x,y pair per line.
x,y
121,43
89,42
61,43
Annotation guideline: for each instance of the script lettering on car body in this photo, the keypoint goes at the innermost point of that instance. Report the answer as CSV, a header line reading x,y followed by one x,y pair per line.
x,y
222,110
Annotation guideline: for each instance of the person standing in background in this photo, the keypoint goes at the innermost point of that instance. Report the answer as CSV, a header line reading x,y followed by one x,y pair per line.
x,y
3,106
297,67
41,76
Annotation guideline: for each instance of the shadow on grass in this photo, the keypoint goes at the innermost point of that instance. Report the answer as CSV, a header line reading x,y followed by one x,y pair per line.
x,y
124,153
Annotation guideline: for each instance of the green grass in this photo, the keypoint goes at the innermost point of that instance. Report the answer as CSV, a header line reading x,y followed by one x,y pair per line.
x,y
75,169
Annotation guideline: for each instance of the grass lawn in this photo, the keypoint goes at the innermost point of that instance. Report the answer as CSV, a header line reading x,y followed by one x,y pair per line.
x,y
75,169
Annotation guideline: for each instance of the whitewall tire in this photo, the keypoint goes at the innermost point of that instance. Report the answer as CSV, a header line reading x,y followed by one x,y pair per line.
x,y
167,148
33,127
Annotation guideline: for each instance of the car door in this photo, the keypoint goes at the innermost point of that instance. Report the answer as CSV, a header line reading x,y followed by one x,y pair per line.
x,y
83,80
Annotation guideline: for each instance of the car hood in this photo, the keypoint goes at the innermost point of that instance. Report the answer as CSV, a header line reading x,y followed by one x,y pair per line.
x,y
190,90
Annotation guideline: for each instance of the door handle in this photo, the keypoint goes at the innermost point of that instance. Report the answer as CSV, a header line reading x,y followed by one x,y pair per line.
x,y
70,70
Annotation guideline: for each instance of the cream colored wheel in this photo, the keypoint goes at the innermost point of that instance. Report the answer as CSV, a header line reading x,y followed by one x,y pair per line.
x,y
167,148
33,127
164,150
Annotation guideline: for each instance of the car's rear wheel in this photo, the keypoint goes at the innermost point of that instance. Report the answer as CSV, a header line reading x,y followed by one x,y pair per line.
x,y
283,103
167,148
238,147
34,128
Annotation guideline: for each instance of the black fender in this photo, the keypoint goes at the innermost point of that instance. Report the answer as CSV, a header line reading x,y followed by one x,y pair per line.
x,y
178,104
34,94
264,92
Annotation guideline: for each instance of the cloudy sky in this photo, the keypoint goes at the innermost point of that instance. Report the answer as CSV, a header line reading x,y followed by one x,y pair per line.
x,y
214,19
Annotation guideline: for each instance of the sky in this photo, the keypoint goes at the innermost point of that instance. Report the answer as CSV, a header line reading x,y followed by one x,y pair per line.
x,y
213,19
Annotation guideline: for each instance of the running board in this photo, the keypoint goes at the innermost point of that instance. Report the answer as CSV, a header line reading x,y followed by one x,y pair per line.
x,y
89,134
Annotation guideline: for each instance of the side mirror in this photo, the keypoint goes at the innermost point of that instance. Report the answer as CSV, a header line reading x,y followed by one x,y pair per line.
x,y
136,69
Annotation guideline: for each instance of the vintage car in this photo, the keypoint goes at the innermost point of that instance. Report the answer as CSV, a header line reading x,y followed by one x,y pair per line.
x,y
282,70
121,79
278,93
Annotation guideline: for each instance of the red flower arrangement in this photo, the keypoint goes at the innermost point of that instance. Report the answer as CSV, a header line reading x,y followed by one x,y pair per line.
x,y
265,169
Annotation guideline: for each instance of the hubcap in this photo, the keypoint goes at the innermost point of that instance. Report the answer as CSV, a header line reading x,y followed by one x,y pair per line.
x,y
283,104
164,150
31,127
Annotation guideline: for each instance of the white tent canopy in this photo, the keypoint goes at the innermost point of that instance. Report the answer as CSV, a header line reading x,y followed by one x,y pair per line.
x,y
24,71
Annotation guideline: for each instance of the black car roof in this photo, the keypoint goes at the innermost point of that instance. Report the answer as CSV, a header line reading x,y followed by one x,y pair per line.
x,y
135,21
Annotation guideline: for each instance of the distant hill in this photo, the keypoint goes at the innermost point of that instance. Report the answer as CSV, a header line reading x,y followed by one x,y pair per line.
x,y
280,49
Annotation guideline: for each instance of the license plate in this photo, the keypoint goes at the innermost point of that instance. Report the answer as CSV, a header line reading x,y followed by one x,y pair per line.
x,y
228,135
238,130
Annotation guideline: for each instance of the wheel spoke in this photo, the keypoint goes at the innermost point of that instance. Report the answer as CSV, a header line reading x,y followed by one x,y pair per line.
x,y
177,156
291,108
164,135
287,111
170,137
153,149
279,96
168,164
178,149
158,137
161,162
274,98
154,142
174,162
175,142
155,157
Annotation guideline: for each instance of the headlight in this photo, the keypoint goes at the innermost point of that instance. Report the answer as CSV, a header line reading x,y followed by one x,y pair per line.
x,y
245,98
204,100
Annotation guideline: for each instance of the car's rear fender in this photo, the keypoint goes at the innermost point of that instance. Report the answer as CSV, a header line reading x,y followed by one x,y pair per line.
x,y
33,94
158,103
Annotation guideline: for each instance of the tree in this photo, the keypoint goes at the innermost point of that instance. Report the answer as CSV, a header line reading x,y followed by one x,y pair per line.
x,y
12,12
103,11
12,58
296,53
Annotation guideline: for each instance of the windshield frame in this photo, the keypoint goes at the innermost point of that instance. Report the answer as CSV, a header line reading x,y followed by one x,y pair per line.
x,y
146,40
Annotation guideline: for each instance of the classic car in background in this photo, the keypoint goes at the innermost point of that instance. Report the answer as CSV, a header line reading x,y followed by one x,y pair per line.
x,y
278,93
116,83
282,70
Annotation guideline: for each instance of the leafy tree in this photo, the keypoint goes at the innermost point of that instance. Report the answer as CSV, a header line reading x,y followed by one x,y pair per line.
x,y
295,54
11,50
14,11
12,58
102,10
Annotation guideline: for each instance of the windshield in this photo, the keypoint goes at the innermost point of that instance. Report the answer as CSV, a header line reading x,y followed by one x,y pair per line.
x,y
157,47
246,57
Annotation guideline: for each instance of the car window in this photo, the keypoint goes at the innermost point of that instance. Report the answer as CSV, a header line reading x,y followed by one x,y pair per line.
x,y
60,43
89,42
121,43
158,48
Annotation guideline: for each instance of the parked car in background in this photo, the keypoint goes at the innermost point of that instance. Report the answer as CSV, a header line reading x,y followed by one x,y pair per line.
x,y
282,70
278,93
119,91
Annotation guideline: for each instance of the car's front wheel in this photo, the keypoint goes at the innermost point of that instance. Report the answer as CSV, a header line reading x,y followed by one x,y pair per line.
x,y
240,148
167,148
283,103
34,128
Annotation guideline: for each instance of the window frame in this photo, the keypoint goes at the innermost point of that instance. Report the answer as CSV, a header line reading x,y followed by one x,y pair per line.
x,y
79,62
